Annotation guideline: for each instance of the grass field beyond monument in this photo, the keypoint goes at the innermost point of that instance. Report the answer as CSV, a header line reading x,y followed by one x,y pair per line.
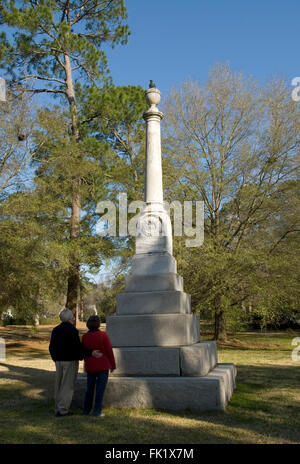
x,y
265,406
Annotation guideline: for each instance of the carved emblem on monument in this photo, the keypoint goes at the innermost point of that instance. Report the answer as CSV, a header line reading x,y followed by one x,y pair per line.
x,y
150,226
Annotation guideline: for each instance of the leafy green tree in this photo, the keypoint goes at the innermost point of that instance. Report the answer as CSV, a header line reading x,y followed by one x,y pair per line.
x,y
33,259
114,117
232,145
38,219
60,159
56,44
273,291
102,296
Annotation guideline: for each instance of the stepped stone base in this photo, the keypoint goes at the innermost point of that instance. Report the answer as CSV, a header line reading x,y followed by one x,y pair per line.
x,y
153,282
146,361
153,330
153,263
161,302
199,359
194,360
211,392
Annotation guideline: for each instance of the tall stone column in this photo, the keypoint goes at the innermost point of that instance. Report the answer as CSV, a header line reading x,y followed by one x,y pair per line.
x,y
153,174
154,231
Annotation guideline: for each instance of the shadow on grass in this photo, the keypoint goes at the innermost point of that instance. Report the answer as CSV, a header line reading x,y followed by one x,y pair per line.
x,y
30,419
263,408
23,333
26,353
263,402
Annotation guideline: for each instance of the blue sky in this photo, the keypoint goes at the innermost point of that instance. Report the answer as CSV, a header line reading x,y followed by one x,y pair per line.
x,y
172,40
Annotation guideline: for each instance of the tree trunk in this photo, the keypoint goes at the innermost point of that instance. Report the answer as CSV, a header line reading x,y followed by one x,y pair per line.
x,y
74,269
220,322
220,326
81,301
71,98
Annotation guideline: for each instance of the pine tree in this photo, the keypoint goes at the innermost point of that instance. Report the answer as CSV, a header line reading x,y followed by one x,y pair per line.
x,y
56,44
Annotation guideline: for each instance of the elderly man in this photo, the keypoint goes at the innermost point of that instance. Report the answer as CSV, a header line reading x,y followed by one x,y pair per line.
x,y
66,350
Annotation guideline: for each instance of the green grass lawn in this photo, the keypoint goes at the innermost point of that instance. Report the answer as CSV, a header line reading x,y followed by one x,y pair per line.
x,y
265,407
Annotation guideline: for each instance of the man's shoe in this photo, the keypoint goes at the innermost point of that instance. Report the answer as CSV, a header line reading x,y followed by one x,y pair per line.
x,y
99,415
58,414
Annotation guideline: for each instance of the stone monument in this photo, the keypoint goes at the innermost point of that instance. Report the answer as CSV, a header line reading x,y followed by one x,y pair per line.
x,y
161,362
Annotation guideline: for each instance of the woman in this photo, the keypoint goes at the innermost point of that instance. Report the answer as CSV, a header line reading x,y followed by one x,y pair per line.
x,y
97,368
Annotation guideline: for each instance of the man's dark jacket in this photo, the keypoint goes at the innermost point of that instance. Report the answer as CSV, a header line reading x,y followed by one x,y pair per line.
x,y
65,344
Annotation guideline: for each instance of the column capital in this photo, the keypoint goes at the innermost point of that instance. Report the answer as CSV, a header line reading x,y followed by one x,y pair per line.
x,y
152,98
153,113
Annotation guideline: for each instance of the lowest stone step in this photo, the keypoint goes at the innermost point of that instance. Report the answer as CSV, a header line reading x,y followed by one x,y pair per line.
x,y
211,392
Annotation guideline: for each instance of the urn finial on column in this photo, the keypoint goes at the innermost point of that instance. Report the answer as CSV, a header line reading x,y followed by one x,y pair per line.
x,y
153,99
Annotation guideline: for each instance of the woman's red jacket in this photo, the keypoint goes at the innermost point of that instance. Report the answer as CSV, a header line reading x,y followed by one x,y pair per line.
x,y
98,340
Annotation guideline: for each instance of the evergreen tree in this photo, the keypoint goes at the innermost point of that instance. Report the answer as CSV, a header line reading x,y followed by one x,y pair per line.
x,y
114,117
56,44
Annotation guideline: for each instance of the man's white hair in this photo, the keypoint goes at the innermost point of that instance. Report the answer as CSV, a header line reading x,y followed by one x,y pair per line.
x,y
65,315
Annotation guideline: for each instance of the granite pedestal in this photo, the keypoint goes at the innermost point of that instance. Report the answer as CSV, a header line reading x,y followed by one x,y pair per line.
x,y
211,392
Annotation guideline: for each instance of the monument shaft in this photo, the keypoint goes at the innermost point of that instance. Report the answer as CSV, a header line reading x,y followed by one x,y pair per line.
x,y
153,181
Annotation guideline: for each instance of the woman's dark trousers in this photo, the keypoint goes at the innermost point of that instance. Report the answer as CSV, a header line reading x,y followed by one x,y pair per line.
x,y
98,379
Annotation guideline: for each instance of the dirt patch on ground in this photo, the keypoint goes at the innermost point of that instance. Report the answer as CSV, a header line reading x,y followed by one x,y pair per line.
x,y
26,340
20,333
254,344
26,347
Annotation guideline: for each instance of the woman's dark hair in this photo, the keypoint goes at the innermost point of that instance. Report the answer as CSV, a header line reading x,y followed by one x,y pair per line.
x,y
93,323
